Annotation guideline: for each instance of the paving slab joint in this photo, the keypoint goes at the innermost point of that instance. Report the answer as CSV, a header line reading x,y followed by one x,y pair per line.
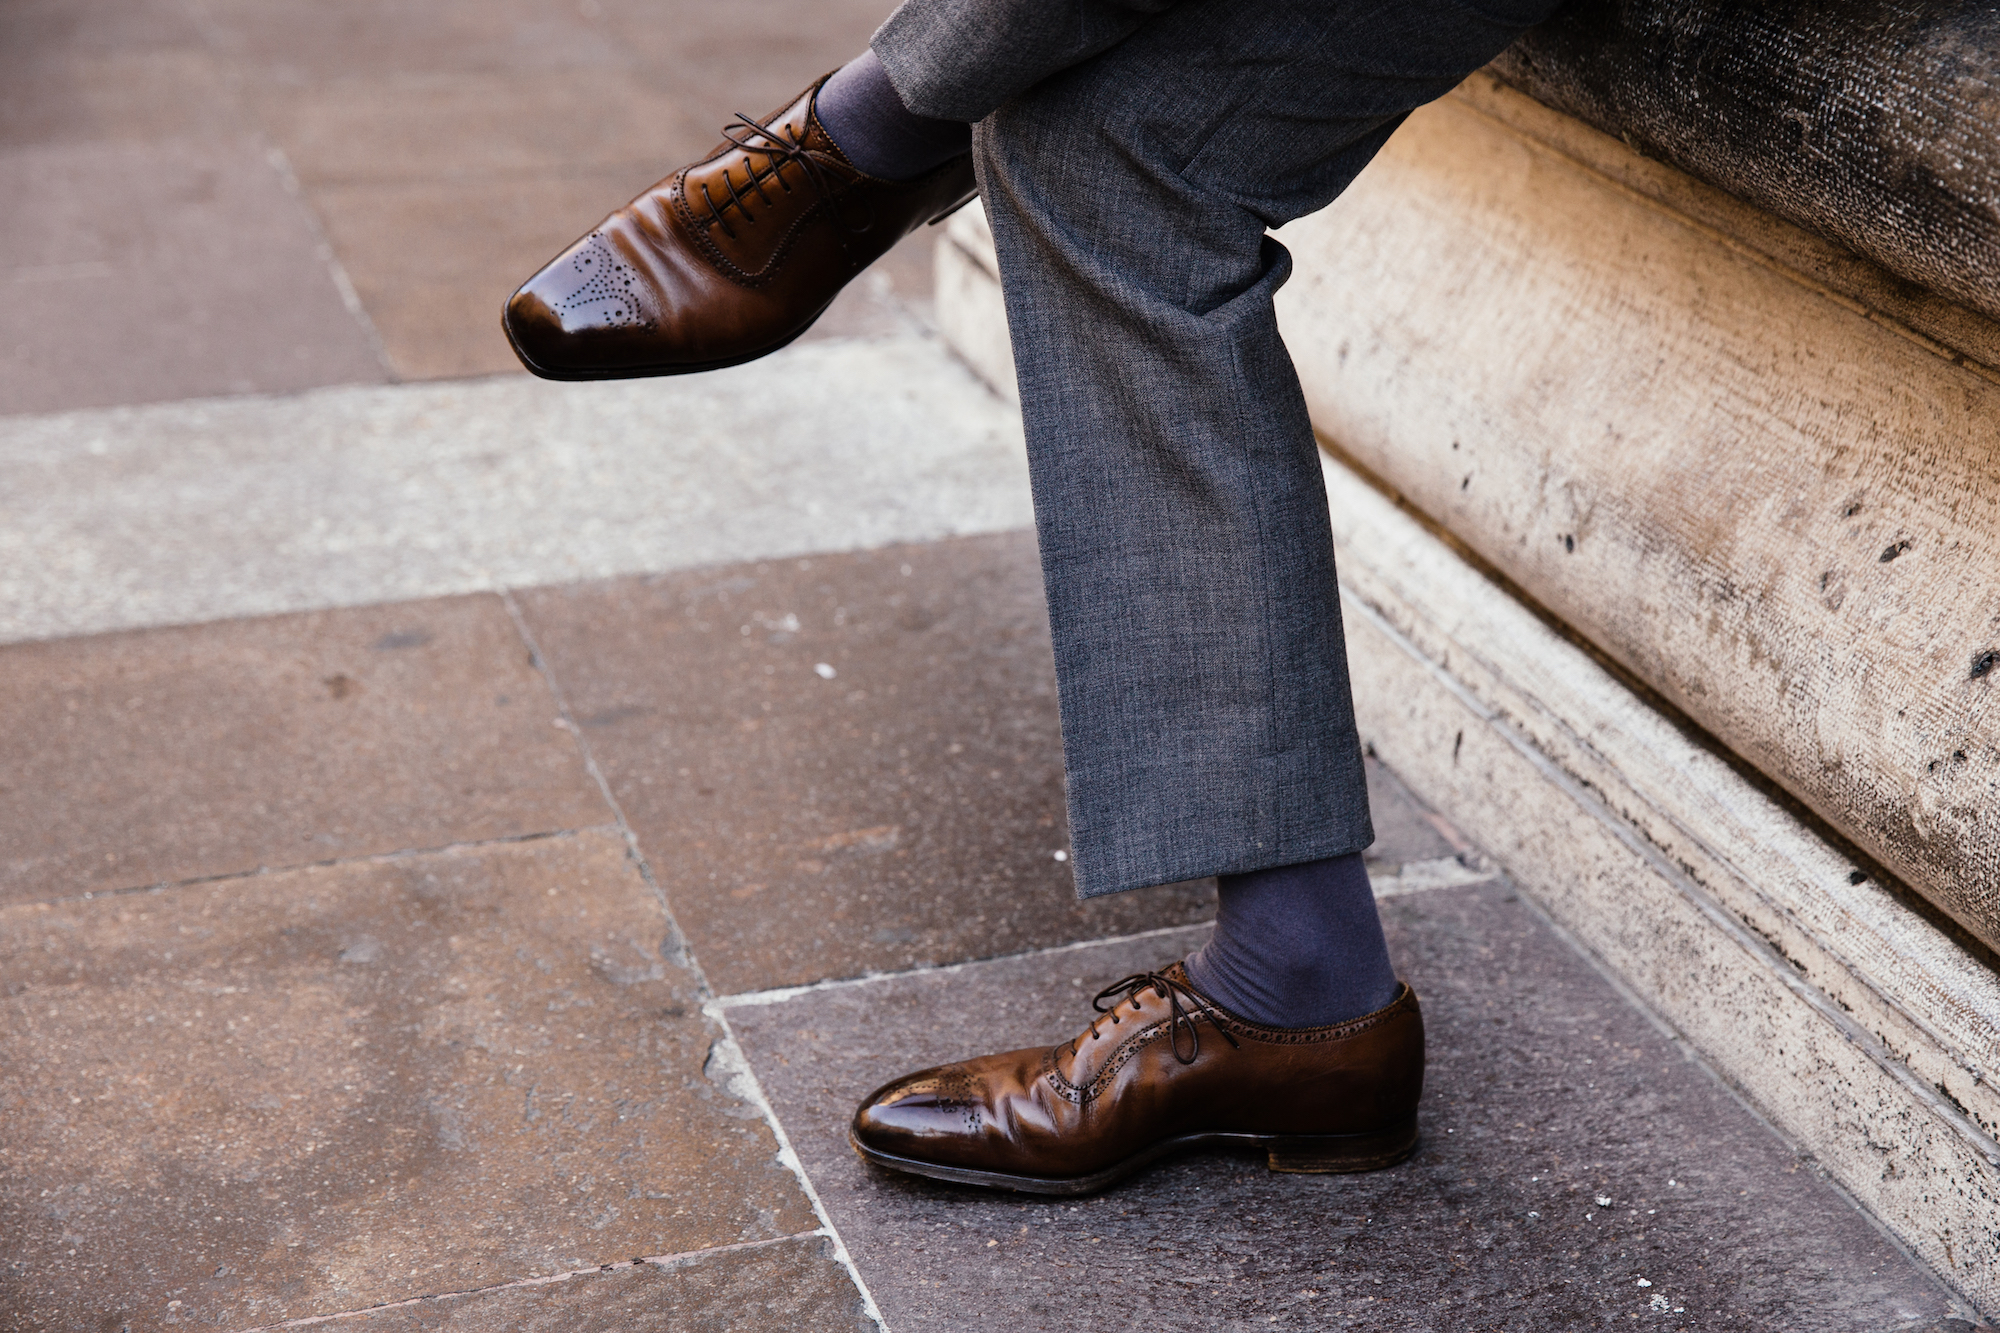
x,y
725,1055
335,270
781,994
676,940
741,1082
1444,872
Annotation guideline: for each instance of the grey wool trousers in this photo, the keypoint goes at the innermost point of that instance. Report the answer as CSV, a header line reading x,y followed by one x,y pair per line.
x,y
1131,157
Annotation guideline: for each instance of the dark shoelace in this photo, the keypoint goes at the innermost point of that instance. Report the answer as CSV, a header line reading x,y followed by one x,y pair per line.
x,y
1178,1015
744,132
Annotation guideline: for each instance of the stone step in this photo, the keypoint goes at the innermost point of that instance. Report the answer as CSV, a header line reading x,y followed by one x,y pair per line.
x,y
1771,501
188,512
1556,391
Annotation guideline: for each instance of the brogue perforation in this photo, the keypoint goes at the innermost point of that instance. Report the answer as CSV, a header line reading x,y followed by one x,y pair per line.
x,y
685,294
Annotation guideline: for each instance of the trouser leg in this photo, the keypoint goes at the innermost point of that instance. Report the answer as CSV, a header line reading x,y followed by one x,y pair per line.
x,y
1185,541
959,59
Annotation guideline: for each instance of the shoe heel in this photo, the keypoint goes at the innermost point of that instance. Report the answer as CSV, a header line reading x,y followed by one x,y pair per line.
x,y
1342,1154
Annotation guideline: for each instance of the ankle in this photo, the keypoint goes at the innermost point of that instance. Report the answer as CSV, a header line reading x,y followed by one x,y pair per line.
x,y
862,112
1297,946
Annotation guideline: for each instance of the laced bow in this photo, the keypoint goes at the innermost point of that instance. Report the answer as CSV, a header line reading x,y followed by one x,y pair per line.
x,y
778,149
1179,1016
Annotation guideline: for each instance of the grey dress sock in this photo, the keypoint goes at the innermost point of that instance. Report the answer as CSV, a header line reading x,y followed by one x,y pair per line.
x,y
859,107
1296,946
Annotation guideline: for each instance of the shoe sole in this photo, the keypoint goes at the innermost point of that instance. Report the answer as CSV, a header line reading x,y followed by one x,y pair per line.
x,y
653,372
1305,1154
686,368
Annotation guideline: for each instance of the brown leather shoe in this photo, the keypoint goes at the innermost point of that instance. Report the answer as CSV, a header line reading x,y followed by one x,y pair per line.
x,y
723,261
1166,1069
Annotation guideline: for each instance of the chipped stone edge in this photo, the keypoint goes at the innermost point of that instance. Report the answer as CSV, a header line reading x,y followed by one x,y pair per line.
x,y
740,1081
1443,872
783,994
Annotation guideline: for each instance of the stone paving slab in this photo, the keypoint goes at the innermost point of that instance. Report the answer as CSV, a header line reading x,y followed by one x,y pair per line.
x,y
839,764
149,248
1571,1153
785,1286
324,1089
167,755
217,285
81,72
190,512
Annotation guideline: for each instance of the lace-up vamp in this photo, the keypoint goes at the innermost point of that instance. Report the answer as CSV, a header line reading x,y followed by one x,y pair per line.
x,y
724,261
767,149
1184,1005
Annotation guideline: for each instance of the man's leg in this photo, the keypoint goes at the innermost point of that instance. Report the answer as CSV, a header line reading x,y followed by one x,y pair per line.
x,y
1188,557
1185,539
961,59
1295,946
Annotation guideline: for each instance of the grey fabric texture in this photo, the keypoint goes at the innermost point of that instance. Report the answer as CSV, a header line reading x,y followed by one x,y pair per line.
x,y
1207,722
959,59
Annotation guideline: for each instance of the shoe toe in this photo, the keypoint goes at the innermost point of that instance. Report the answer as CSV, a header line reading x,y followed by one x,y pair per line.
x,y
920,1111
574,316
534,329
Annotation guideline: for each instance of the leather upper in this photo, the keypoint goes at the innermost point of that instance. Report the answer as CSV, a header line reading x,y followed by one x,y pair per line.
x,y
724,260
1080,1107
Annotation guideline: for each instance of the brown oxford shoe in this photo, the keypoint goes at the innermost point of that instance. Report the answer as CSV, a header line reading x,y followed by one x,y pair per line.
x,y
1165,1069
723,261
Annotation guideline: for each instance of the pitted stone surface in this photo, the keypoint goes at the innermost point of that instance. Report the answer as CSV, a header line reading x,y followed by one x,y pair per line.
x,y
1576,1171
320,1090
842,763
1870,123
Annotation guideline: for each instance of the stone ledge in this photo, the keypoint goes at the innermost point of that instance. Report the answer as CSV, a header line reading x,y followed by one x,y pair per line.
x,y
1861,1031
1945,327
1767,500
1865,1033
1868,123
